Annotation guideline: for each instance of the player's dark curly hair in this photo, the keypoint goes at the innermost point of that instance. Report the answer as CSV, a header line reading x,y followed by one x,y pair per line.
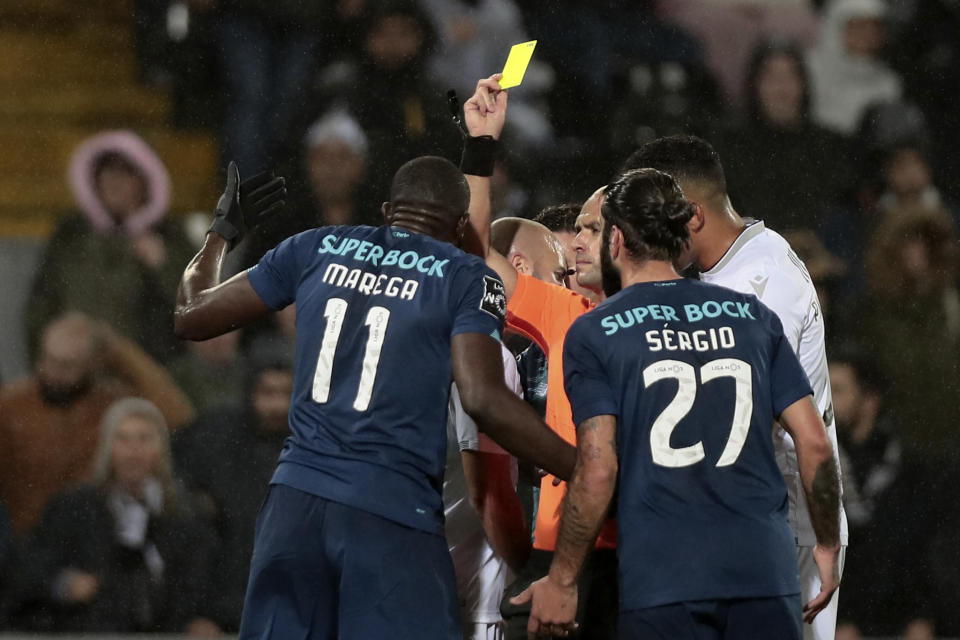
x,y
649,209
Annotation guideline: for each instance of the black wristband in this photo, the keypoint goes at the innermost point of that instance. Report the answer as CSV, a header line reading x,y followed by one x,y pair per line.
x,y
478,156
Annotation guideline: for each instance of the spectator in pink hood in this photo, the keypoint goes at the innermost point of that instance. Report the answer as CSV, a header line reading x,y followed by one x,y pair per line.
x,y
117,256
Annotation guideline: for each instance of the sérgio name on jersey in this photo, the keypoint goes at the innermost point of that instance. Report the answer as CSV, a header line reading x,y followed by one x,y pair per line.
x,y
364,251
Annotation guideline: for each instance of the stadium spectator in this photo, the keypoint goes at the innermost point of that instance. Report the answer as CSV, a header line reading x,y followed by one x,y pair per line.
x,y
592,44
874,490
474,37
268,53
48,421
390,92
228,456
334,158
911,315
211,372
124,552
117,257
713,22
927,54
768,155
846,67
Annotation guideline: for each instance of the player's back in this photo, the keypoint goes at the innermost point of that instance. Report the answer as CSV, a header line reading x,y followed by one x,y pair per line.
x,y
697,374
376,310
761,262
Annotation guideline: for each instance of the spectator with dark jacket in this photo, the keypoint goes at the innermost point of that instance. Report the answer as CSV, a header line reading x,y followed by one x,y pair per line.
x,y
268,53
228,457
118,257
782,167
124,553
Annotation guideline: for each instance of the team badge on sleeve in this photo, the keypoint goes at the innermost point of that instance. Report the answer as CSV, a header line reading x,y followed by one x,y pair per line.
x,y
494,300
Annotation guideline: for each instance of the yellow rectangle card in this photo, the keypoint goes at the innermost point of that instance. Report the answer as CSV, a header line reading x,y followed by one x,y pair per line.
x,y
517,62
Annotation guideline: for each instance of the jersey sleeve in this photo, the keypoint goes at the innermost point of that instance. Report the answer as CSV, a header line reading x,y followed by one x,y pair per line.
x,y
543,312
479,300
469,437
788,382
584,377
276,276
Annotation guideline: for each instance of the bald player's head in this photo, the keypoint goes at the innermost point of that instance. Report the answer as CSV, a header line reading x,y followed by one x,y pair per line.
x,y
531,248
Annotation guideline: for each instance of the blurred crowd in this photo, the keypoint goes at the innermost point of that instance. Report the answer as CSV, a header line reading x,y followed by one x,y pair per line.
x,y
132,465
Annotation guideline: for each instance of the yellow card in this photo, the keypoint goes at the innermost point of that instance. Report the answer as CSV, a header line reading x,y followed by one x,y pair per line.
x,y
517,62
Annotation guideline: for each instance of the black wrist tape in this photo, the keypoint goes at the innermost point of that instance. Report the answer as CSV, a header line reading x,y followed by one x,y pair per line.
x,y
478,156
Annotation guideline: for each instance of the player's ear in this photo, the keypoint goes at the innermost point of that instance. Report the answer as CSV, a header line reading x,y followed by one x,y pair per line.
x,y
616,241
385,208
695,225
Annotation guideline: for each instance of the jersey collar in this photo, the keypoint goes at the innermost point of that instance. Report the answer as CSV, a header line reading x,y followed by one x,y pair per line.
x,y
753,229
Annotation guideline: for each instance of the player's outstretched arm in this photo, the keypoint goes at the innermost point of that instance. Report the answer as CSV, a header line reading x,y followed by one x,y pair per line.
x,y
484,115
498,412
821,483
206,308
554,598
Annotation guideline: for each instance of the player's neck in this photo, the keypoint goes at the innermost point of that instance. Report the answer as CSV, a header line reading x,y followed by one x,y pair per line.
x,y
724,228
649,271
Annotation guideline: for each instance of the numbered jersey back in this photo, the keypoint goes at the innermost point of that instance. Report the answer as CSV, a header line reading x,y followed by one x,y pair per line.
x,y
376,310
696,375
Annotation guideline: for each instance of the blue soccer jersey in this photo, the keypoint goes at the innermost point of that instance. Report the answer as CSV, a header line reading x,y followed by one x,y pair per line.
x,y
376,310
696,375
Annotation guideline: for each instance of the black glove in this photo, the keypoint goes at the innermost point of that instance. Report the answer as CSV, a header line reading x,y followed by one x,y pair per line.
x,y
244,205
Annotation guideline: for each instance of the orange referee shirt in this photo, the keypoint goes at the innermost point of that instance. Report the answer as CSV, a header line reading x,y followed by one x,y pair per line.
x,y
543,312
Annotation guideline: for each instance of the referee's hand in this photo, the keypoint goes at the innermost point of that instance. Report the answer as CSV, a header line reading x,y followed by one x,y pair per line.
x,y
485,112
828,565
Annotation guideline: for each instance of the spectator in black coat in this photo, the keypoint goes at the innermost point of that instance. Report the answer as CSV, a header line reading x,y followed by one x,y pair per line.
x,y
124,553
781,167
228,457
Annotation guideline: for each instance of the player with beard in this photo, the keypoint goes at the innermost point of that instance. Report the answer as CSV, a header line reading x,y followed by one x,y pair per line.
x,y
744,255
542,312
705,549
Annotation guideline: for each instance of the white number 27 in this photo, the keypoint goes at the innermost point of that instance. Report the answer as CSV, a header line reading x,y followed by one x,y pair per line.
x,y
377,319
667,456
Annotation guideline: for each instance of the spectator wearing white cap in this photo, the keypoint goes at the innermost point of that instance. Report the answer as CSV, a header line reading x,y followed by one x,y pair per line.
x,y
846,69
334,165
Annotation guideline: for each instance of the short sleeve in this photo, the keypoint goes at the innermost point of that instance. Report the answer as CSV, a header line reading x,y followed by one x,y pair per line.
x,y
468,435
584,377
276,276
479,300
788,382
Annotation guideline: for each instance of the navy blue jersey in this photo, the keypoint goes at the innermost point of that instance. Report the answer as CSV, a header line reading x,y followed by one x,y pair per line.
x,y
376,310
696,375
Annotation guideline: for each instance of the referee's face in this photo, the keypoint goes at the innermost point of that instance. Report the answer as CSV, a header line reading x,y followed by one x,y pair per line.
x,y
587,243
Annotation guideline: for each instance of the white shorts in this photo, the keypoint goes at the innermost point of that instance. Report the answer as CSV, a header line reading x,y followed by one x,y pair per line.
x,y
482,631
825,624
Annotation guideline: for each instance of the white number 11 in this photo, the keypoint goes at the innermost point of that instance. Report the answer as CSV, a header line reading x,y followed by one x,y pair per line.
x,y
334,313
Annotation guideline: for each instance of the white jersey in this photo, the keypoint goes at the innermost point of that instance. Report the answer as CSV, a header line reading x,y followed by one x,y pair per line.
x,y
761,262
481,574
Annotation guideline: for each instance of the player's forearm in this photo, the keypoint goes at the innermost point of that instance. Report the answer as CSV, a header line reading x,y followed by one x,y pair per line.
x,y
201,275
476,237
822,488
506,530
584,509
515,426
